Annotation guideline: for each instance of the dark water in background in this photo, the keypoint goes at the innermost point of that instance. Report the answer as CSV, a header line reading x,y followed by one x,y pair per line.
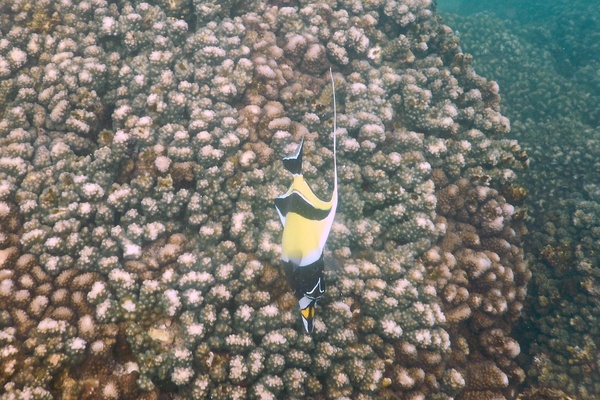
x,y
570,30
545,55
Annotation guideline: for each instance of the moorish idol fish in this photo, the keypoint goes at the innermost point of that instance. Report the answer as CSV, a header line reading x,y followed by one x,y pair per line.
x,y
306,223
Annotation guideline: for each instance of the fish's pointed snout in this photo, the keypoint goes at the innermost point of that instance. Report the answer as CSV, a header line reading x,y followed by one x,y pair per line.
x,y
308,316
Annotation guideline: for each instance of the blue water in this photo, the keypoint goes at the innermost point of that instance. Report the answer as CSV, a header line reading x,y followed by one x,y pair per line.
x,y
545,56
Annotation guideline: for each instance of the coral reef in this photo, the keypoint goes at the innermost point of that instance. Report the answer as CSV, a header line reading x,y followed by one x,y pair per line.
x,y
139,247
551,84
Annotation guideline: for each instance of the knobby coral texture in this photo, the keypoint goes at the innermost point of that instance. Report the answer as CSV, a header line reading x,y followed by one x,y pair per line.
x,y
140,249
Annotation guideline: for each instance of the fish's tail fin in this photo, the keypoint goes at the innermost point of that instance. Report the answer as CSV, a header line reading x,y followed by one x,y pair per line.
x,y
293,163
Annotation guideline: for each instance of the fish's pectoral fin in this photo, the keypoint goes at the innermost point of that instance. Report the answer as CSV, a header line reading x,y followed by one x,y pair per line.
x,y
317,290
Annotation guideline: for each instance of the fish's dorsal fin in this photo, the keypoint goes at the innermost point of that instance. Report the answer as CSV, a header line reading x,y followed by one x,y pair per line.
x,y
335,178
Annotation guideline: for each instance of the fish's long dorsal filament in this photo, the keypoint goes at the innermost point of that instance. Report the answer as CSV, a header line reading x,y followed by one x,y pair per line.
x,y
334,135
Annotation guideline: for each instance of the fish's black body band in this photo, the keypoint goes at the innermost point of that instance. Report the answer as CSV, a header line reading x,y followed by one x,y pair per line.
x,y
303,279
297,204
